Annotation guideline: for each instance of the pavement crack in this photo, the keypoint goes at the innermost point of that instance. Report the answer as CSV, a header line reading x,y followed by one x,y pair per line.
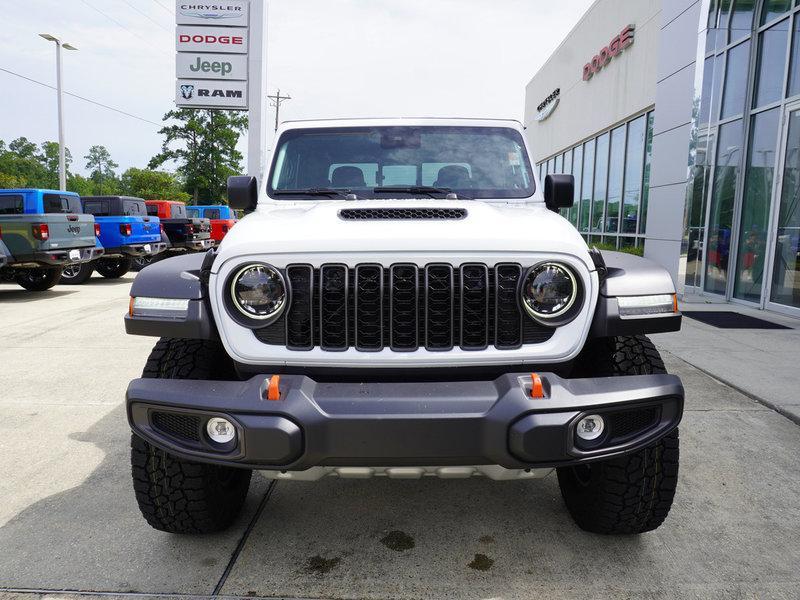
x,y
243,540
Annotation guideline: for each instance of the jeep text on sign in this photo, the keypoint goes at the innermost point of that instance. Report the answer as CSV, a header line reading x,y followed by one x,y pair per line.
x,y
614,48
211,39
199,93
228,13
195,65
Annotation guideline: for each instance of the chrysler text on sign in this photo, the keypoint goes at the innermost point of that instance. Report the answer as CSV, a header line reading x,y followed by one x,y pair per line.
x,y
230,13
211,39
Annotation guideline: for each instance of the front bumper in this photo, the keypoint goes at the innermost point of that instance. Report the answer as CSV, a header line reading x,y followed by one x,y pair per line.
x,y
404,424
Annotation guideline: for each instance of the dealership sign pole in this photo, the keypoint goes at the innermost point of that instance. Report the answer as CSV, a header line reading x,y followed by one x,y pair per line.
x,y
221,63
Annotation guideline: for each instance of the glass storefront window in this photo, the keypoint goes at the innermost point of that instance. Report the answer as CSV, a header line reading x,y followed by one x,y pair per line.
x,y
794,61
559,166
771,64
773,9
697,196
711,34
577,171
712,78
736,75
634,162
600,183
648,159
786,267
588,182
728,159
759,176
616,168
741,21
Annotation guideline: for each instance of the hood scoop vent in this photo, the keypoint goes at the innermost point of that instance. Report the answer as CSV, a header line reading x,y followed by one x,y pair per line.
x,y
402,214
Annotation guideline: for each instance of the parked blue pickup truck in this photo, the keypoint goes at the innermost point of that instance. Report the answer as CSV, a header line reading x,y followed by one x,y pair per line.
x,y
43,231
126,233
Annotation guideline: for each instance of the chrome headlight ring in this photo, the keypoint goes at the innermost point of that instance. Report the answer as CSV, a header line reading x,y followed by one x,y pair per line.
x,y
265,280
567,302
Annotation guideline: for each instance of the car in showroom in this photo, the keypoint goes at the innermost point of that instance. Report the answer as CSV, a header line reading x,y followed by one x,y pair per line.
x,y
43,232
403,299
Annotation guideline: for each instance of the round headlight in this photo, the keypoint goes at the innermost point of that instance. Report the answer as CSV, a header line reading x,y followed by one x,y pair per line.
x,y
549,291
258,291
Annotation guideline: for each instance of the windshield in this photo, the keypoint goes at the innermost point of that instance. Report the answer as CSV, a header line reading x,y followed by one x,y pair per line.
x,y
472,162
194,213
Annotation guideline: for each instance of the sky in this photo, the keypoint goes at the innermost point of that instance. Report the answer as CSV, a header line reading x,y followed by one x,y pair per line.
x,y
336,58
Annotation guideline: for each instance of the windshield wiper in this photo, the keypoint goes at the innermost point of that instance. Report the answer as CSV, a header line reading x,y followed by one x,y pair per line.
x,y
330,192
429,191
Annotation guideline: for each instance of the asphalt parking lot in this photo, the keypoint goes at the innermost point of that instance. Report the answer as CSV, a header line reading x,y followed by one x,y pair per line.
x,y
69,524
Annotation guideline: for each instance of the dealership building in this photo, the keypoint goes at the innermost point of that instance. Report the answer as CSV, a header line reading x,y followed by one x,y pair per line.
x,y
680,121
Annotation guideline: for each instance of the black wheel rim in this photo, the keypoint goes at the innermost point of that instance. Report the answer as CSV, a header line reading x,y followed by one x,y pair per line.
x,y
71,271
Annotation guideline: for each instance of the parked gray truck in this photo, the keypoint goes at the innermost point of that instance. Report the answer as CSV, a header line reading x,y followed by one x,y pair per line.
x,y
43,231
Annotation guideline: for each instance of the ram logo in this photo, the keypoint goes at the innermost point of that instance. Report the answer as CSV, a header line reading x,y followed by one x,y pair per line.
x,y
187,91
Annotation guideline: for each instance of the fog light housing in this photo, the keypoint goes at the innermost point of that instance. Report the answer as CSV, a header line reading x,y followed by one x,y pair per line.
x,y
590,428
220,430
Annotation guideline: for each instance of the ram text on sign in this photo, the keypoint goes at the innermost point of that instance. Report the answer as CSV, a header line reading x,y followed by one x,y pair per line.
x,y
228,13
211,39
196,65
199,93
614,48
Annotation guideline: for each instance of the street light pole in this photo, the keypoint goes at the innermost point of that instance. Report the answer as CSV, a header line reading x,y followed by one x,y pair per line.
x,y
62,159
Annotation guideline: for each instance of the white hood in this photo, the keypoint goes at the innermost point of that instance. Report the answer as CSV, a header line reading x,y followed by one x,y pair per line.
x,y
311,227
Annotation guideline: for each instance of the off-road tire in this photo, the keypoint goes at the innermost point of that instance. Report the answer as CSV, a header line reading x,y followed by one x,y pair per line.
x,y
177,495
38,280
113,268
76,274
633,493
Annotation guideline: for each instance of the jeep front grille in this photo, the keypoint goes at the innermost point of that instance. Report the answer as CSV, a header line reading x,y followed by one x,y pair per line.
x,y
403,307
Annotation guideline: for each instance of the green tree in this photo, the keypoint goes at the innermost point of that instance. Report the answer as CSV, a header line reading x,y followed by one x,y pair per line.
x,y
152,185
80,184
101,169
21,163
49,159
203,145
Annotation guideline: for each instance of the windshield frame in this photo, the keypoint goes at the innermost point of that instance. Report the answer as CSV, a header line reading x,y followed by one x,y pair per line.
x,y
369,195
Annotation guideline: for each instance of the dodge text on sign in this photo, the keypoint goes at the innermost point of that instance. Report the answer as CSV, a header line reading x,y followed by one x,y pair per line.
x,y
211,39
614,48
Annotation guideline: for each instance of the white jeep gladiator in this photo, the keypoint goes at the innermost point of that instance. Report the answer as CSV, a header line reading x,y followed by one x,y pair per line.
x,y
403,299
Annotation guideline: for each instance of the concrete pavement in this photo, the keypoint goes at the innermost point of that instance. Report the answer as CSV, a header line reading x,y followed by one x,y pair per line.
x,y
69,526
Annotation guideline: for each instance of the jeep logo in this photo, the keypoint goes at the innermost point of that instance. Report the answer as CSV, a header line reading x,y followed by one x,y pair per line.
x,y
74,229
223,68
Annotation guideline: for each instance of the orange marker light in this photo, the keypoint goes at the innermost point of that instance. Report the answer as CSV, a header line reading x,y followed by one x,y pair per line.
x,y
130,307
675,303
537,389
273,389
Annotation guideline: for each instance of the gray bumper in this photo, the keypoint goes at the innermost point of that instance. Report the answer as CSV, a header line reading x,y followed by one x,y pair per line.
x,y
137,250
196,245
405,424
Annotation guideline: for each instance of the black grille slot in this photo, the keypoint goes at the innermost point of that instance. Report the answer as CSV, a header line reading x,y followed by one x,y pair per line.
x,y
300,317
369,308
333,308
402,214
439,307
508,320
474,307
404,307
177,425
626,423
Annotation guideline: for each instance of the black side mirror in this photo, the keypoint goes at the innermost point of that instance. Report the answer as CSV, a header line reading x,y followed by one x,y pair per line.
x,y
243,193
559,191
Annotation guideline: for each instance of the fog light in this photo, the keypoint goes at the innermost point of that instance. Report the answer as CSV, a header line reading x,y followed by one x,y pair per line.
x,y
220,430
590,428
